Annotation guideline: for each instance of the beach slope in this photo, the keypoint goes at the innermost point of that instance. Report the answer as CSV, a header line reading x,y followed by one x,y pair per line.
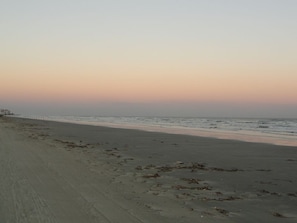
x,y
58,172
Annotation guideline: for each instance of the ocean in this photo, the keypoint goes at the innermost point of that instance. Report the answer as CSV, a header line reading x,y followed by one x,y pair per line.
x,y
273,131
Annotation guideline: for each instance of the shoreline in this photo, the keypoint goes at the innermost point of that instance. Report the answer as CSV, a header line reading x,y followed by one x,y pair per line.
x,y
64,172
243,135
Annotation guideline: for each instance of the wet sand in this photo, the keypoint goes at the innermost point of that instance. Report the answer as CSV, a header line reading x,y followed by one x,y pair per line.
x,y
58,172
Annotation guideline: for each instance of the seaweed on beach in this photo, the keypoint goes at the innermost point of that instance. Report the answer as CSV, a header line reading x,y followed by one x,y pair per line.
x,y
222,211
182,187
156,175
277,214
194,166
191,180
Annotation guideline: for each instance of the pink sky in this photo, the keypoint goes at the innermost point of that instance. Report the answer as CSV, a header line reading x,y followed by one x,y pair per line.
x,y
129,84
149,53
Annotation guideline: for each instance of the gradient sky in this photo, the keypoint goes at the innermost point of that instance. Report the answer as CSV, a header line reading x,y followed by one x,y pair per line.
x,y
157,57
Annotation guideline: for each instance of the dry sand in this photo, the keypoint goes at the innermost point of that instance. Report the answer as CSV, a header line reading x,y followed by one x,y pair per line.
x,y
58,172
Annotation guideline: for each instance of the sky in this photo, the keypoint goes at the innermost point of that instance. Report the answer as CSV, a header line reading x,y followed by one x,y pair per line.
x,y
149,57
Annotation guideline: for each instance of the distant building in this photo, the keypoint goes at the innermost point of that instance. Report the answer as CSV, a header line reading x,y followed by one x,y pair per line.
x,y
5,112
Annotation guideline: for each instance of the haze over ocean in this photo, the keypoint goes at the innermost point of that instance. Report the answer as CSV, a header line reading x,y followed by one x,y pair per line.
x,y
149,58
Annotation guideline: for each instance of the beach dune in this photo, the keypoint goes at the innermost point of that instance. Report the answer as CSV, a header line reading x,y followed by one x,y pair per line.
x,y
59,172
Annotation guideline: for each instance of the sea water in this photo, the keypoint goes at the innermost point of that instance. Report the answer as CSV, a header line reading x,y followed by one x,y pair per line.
x,y
274,131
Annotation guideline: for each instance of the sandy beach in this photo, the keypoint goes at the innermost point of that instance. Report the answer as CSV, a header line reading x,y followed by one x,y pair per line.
x,y
59,172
